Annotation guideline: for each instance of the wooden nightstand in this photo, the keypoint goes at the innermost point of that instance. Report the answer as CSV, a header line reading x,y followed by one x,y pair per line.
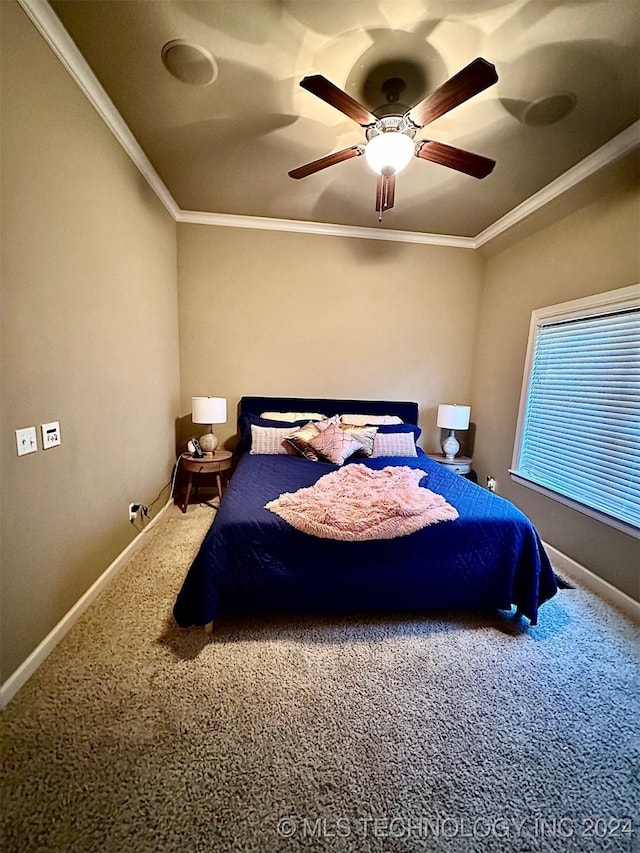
x,y
461,464
214,463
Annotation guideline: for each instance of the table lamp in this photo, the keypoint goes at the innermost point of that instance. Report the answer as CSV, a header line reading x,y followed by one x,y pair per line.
x,y
209,410
452,417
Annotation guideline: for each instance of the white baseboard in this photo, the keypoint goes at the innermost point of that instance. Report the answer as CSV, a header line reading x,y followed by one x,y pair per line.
x,y
600,587
11,686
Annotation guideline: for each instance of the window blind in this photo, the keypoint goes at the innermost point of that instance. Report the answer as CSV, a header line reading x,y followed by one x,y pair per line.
x,y
581,431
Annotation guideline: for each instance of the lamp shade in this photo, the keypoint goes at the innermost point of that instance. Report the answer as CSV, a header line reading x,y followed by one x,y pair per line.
x,y
209,410
453,417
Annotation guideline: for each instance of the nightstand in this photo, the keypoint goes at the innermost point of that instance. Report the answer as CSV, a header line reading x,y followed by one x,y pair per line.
x,y
460,464
212,463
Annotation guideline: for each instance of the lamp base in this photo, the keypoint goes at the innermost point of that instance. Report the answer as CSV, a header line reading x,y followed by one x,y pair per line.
x,y
208,442
451,445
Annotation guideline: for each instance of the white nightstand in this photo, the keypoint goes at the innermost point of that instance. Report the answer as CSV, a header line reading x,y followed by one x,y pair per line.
x,y
461,464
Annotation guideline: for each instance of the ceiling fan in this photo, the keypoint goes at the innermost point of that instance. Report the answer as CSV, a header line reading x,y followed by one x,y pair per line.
x,y
390,144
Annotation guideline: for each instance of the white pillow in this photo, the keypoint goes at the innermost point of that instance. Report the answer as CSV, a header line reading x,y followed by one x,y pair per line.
x,y
394,444
290,417
270,441
373,420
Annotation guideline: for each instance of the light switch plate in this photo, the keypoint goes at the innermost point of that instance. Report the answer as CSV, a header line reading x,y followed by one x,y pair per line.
x,y
26,440
50,434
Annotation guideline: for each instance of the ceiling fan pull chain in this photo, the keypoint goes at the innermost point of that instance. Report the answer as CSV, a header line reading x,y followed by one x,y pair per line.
x,y
380,196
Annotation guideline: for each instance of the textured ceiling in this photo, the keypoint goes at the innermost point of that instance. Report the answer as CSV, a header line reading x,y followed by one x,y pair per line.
x,y
227,147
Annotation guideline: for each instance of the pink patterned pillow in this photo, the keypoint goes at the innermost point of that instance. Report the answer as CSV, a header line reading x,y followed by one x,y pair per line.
x,y
335,445
325,422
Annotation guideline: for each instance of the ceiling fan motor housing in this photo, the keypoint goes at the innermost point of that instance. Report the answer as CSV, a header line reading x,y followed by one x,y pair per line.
x,y
399,124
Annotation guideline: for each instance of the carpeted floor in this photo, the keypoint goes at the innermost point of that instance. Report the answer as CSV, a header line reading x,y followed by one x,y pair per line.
x,y
446,732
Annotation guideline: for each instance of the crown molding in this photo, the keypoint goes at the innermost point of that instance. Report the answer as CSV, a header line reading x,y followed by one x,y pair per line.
x,y
608,153
264,223
48,24
50,28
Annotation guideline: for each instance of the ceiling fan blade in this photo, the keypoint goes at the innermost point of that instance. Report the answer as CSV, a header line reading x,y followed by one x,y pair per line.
x,y
324,162
474,78
455,158
385,193
335,97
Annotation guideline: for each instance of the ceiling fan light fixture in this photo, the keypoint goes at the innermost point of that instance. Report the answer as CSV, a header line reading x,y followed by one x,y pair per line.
x,y
390,152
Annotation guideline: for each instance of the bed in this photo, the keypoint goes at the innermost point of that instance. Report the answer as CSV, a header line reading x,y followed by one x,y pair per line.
x,y
252,561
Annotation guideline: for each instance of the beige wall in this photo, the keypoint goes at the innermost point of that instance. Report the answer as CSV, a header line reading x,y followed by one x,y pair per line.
x,y
590,251
89,338
272,313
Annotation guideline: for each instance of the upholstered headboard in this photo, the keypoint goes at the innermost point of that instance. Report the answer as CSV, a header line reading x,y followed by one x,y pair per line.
x,y
408,412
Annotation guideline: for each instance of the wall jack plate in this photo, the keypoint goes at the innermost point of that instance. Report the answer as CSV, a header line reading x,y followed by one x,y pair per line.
x,y
50,434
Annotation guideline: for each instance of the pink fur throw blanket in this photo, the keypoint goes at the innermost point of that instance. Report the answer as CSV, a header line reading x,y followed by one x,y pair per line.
x,y
357,503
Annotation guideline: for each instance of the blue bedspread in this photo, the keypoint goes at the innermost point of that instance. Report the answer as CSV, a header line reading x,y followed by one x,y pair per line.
x,y
251,561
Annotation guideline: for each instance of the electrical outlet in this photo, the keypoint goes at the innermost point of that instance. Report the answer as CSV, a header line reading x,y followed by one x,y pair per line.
x,y
50,434
136,510
26,440
491,483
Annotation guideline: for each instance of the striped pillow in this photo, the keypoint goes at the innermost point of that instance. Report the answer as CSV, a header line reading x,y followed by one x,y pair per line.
x,y
394,444
270,441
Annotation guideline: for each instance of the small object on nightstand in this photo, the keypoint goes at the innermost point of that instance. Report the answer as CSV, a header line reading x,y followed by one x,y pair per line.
x,y
214,463
461,464
193,446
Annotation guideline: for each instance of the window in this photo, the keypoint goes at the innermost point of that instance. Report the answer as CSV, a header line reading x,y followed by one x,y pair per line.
x,y
578,434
